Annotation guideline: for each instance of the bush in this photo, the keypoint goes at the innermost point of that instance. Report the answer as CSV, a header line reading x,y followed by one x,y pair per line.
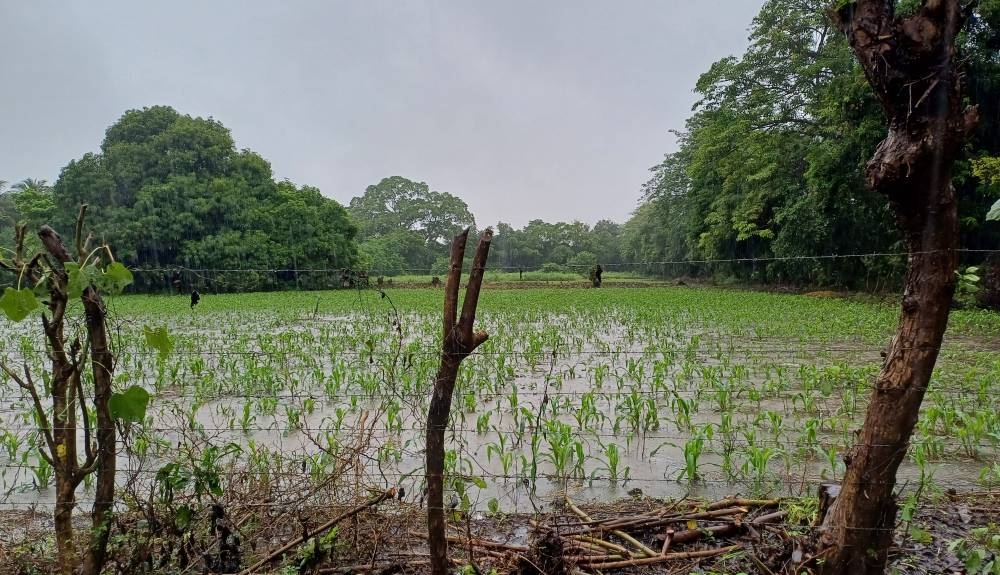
x,y
582,262
551,267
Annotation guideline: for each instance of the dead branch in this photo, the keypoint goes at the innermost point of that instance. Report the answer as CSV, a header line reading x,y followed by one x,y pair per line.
x,y
661,558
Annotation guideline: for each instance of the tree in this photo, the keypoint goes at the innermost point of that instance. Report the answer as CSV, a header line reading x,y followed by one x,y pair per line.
x,y
770,165
406,211
62,279
910,61
171,191
8,216
33,202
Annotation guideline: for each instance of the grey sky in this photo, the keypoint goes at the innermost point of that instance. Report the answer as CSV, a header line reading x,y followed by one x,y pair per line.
x,y
525,109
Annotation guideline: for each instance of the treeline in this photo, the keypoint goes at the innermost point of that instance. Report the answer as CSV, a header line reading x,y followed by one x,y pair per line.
x,y
770,162
405,228
182,207
767,177
170,192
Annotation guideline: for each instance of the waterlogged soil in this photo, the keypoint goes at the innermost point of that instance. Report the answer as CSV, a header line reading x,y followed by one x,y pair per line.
x,y
665,395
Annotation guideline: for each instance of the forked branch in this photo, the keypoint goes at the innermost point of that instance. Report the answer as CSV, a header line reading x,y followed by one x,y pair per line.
x,y
459,340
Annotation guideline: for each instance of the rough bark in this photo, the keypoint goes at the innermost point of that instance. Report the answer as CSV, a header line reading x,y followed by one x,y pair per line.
x,y
459,340
66,368
910,63
62,390
102,363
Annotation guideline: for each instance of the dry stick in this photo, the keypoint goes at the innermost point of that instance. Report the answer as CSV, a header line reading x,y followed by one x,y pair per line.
x,y
642,548
484,543
366,567
760,564
658,518
472,550
715,513
661,558
582,543
606,544
388,494
668,538
581,559
737,502
691,535
628,522
657,522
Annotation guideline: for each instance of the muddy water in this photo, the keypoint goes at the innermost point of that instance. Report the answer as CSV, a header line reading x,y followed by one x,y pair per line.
x,y
537,412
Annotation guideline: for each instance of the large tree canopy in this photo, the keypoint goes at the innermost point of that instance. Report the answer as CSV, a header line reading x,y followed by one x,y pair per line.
x,y
770,163
168,190
404,225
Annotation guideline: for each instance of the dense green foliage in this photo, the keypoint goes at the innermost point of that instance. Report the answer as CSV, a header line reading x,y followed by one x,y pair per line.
x,y
770,163
573,247
169,191
29,201
404,227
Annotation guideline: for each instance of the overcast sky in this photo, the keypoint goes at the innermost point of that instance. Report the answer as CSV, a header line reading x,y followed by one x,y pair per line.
x,y
525,109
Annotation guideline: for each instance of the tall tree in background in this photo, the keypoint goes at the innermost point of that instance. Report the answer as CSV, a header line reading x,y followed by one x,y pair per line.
x,y
405,225
29,202
169,190
910,62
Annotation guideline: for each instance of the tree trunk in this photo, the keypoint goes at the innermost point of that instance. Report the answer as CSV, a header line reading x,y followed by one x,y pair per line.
x,y
458,342
910,64
66,373
102,363
63,450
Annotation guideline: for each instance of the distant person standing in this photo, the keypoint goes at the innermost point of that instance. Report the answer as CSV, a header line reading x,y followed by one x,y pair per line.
x,y
598,270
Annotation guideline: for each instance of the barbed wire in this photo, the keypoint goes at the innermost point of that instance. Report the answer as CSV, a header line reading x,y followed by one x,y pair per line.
x,y
735,395
527,268
722,437
394,478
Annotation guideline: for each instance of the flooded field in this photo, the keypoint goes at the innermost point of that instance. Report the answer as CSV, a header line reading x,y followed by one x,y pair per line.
x,y
671,391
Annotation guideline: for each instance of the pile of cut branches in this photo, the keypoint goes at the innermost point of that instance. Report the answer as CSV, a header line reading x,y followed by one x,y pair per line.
x,y
674,532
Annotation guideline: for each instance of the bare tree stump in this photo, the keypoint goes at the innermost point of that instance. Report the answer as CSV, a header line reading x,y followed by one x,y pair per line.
x,y
459,340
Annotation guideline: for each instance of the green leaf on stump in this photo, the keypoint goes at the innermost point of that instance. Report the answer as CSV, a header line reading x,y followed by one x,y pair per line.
x,y
79,278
